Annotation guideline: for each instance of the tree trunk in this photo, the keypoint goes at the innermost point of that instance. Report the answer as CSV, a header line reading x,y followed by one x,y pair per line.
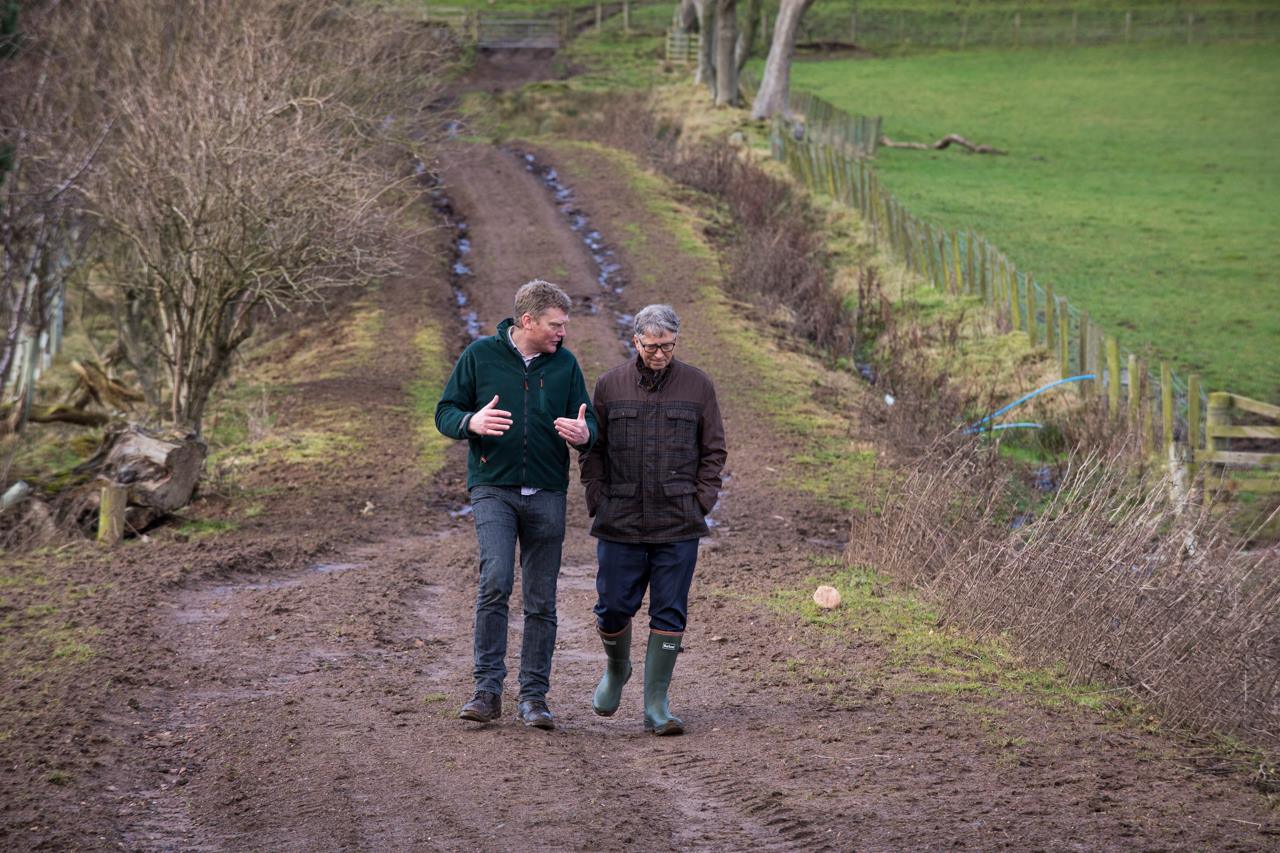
x,y
726,61
686,16
706,28
776,83
747,37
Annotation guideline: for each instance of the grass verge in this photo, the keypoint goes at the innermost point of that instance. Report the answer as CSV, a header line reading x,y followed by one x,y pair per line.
x,y
424,393
922,655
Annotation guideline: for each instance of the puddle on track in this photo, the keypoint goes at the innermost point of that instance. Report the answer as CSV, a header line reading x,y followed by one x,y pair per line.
x,y
608,271
459,271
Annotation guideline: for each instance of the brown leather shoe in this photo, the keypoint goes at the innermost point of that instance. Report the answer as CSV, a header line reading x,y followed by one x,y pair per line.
x,y
482,707
535,713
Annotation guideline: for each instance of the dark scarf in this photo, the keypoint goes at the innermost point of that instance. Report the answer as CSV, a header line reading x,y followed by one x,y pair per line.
x,y
652,380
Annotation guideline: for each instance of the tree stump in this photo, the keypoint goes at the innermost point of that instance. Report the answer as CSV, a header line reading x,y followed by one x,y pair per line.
x,y
137,477
161,469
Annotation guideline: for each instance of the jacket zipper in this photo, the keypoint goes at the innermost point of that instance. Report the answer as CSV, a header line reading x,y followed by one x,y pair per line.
x,y
524,432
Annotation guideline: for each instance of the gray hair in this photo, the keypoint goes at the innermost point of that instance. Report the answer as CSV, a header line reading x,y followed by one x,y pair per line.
x,y
538,297
656,319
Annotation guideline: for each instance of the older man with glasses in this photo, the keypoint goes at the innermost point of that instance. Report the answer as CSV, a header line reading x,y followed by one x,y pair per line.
x,y
651,478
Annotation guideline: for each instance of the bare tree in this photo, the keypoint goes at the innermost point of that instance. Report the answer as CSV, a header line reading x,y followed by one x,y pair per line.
x,y
45,155
775,85
242,179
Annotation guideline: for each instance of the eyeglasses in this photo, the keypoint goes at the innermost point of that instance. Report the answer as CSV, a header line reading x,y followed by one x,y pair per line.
x,y
652,348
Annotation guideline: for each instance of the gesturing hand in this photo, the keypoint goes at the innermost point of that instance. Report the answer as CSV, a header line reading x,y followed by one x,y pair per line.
x,y
490,421
574,430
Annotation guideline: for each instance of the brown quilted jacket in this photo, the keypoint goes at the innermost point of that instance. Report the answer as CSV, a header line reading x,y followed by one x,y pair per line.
x,y
654,471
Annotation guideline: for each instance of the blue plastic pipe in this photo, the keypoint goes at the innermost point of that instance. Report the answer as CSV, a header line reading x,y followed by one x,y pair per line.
x,y
976,426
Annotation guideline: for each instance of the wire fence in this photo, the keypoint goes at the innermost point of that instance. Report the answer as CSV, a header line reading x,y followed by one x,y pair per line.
x,y
887,28
1169,410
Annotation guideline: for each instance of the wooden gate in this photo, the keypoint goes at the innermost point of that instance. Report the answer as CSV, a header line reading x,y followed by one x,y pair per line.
x,y
1231,421
683,47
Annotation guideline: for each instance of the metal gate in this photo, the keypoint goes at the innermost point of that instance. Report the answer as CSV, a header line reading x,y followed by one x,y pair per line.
x,y
511,32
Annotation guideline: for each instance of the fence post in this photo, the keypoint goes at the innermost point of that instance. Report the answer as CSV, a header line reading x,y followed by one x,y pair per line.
x,y
1135,392
1086,386
1113,376
1015,300
1219,414
1064,337
1193,424
1097,341
599,15
1128,26
1033,320
1075,27
1190,21
964,29
984,272
1017,29
1166,406
969,263
111,509
626,17
956,265
853,26
1050,319
864,189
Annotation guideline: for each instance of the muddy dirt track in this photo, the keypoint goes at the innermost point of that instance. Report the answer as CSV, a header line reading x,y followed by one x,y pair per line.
x,y
294,684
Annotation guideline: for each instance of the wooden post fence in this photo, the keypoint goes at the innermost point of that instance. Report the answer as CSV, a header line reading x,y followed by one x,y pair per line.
x,y
830,160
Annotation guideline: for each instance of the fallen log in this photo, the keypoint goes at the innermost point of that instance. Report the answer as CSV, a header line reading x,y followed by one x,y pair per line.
x,y
945,142
95,385
62,413
57,413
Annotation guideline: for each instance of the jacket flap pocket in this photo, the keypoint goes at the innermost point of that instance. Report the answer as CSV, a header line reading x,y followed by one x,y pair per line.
x,y
614,414
621,490
682,414
679,488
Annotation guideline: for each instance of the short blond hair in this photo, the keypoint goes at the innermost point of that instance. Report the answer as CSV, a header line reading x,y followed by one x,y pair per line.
x,y
538,297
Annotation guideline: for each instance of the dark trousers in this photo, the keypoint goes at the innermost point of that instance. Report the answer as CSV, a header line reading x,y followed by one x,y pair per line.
x,y
627,569
503,517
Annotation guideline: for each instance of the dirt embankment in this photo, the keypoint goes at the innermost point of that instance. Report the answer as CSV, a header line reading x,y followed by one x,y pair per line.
x,y
293,684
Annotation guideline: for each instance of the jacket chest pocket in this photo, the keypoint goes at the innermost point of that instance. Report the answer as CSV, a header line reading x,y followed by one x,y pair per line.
x,y
623,437
679,436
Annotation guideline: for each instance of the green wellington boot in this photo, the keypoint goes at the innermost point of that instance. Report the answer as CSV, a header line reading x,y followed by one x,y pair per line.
x,y
617,671
659,661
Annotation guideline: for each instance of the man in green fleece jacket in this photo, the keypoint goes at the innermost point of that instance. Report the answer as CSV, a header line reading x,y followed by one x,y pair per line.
x,y
520,400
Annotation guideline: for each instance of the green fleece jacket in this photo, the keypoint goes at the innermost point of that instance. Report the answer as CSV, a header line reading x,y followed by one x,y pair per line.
x,y
531,452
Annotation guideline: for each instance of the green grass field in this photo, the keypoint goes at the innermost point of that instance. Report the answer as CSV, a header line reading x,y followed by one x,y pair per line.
x,y
1142,181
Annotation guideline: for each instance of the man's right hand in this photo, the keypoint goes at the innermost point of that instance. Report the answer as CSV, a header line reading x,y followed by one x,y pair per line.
x,y
490,421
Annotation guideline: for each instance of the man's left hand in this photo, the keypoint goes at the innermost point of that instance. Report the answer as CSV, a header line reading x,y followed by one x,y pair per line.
x,y
574,430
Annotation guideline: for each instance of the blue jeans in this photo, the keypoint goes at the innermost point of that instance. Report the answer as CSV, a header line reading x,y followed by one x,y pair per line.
x,y
503,517
626,569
